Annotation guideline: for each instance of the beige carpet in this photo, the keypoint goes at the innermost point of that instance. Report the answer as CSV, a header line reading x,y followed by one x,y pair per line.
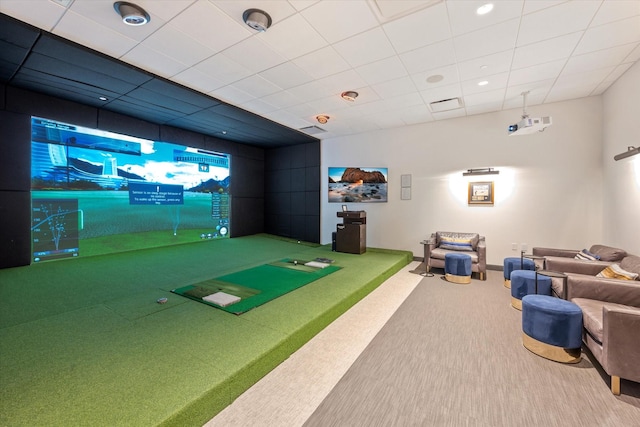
x,y
451,355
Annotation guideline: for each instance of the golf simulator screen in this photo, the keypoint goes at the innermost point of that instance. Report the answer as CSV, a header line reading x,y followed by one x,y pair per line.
x,y
95,192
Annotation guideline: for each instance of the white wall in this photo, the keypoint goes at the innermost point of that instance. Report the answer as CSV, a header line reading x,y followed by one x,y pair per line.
x,y
621,106
549,191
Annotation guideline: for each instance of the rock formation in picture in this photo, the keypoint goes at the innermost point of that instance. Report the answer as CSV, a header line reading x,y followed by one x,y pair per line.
x,y
358,175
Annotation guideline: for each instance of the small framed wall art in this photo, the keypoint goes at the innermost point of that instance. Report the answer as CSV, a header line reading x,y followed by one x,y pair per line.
x,y
481,193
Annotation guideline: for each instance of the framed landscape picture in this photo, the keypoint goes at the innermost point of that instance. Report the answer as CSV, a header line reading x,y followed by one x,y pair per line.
x,y
357,185
481,193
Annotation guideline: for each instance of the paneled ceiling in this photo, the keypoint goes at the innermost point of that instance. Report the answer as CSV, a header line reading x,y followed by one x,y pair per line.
x,y
401,56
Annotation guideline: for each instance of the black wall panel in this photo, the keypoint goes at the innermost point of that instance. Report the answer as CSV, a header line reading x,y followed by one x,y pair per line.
x,y
248,216
15,162
247,177
15,228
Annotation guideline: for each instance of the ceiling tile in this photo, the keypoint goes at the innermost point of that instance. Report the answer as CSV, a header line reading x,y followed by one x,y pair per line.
x,y
429,57
609,35
616,10
486,65
204,21
197,80
282,99
256,86
286,75
153,61
535,73
494,81
545,51
380,71
419,29
490,97
347,80
552,22
223,69
464,18
399,86
338,20
177,45
321,63
45,16
573,86
494,39
598,59
365,48
254,55
293,37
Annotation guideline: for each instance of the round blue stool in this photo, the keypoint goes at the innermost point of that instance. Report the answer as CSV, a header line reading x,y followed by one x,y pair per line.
x,y
513,263
523,282
552,328
457,268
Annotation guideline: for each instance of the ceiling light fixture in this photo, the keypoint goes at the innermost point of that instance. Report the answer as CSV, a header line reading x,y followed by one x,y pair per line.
x,y
131,14
349,95
484,9
480,171
257,19
103,98
631,151
435,78
322,119
483,83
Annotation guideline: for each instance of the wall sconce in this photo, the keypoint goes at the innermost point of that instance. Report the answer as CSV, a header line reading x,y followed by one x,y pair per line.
x,y
322,119
480,171
631,151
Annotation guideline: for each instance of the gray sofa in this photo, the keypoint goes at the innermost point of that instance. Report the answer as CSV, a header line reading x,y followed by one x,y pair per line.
x,y
610,307
442,242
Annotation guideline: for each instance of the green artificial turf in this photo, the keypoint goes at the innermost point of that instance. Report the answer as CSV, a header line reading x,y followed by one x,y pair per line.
x,y
84,342
258,285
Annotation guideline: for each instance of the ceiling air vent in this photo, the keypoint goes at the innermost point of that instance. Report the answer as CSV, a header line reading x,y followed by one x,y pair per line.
x,y
445,105
312,130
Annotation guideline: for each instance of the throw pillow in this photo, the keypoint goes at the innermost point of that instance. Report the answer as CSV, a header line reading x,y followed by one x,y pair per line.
x,y
587,256
614,271
455,243
607,253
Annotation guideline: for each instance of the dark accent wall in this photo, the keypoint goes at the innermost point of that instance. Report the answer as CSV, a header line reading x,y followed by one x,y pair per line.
x,y
296,205
292,192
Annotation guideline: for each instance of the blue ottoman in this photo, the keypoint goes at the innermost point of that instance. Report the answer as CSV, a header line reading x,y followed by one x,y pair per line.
x,y
523,282
552,328
510,264
457,268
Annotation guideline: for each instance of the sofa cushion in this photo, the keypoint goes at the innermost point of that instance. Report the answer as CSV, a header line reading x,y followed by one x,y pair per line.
x,y
592,315
607,253
587,256
457,241
614,271
631,263
439,253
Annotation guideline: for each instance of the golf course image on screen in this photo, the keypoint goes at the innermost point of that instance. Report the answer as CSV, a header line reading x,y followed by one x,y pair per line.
x,y
96,192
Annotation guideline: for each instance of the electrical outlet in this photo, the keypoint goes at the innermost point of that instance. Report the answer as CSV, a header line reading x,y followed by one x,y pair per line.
x,y
524,247
514,246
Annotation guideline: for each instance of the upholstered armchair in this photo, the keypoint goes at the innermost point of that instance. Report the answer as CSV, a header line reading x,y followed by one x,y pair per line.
x,y
442,242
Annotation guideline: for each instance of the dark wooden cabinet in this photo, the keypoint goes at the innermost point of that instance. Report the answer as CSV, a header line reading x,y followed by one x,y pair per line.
x,y
351,235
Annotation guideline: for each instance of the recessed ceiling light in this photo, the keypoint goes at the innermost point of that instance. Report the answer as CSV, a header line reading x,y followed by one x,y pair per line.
x,y
484,67
322,119
435,78
257,19
349,95
484,9
131,14
103,98
483,83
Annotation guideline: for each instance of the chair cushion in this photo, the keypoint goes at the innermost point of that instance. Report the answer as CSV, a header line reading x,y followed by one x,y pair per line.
x,y
457,241
631,263
439,253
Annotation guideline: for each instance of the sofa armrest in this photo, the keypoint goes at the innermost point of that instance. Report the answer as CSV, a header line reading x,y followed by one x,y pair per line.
x,y
572,265
625,292
566,253
482,254
621,347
